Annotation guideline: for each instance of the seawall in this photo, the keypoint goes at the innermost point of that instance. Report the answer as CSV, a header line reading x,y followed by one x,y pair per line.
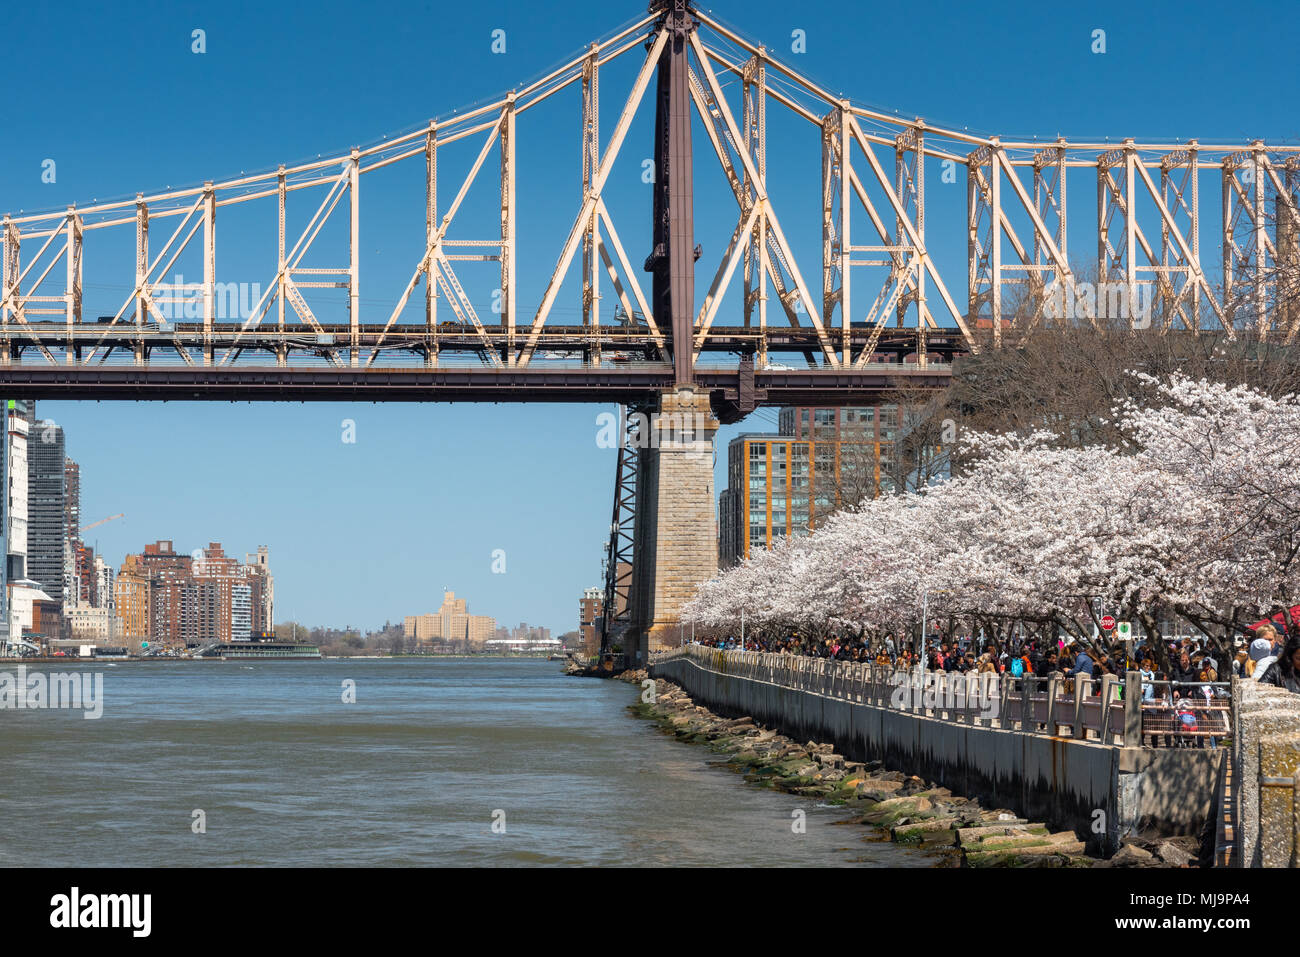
x,y
1104,792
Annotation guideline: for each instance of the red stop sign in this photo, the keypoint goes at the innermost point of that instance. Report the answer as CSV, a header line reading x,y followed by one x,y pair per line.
x,y
1108,622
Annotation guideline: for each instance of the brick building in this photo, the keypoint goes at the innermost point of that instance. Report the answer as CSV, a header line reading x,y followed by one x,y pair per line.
x,y
193,600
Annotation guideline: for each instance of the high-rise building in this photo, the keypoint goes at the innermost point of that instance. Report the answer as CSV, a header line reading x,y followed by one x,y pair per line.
x,y
75,582
823,459
131,598
200,612
212,566
168,571
105,576
15,504
47,545
85,582
262,584
22,597
241,611
768,494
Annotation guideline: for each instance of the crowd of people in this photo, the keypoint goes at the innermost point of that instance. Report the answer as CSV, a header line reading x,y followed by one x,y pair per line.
x,y
1263,654
1183,705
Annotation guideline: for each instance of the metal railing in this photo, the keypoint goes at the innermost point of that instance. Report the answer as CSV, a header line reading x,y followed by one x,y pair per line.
x,y
1111,709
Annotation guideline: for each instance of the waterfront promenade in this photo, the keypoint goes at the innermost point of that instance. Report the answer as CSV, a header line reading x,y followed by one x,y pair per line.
x,y
1075,760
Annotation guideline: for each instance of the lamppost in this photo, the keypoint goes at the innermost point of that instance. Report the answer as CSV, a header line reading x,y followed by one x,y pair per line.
x,y
925,607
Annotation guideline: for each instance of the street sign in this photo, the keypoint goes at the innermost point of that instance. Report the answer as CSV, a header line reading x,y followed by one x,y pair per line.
x,y
1108,622
1125,632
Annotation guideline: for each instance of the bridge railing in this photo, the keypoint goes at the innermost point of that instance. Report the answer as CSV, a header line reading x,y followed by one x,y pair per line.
x,y
1112,710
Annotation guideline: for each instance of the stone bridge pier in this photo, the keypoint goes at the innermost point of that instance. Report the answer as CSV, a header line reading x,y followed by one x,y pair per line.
x,y
676,540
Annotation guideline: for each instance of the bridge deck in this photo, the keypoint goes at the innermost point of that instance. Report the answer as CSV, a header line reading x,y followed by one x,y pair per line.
x,y
628,382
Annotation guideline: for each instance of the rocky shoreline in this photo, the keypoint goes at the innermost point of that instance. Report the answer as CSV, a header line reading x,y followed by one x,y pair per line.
x,y
907,808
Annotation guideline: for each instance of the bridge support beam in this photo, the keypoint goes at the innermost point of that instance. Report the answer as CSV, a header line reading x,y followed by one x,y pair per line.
x,y
676,541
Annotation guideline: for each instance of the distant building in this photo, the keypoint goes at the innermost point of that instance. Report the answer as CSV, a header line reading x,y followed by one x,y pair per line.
x,y
168,571
451,623
257,571
47,547
193,600
14,507
131,599
91,624
241,612
77,585
105,576
590,608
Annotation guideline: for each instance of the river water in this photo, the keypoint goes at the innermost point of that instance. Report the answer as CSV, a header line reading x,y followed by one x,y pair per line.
x,y
437,762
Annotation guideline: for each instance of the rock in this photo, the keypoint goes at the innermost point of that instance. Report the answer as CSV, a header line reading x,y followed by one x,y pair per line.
x,y
973,835
829,760
907,804
1037,855
884,787
1131,855
1001,817
936,793
1058,847
1174,855
932,829
737,723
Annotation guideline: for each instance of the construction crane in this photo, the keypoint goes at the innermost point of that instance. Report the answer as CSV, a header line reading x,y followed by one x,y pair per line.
x,y
87,528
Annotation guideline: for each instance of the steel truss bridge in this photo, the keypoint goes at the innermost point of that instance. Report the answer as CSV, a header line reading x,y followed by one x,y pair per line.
x,y
872,313
875,311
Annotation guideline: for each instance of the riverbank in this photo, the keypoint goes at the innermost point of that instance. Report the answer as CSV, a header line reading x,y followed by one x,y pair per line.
x,y
903,808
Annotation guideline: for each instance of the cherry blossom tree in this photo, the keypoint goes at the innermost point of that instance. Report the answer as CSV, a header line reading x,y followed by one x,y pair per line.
x,y
1197,514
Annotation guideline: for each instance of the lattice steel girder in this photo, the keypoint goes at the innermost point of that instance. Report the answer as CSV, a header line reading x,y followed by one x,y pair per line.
x,y
618,609
1251,265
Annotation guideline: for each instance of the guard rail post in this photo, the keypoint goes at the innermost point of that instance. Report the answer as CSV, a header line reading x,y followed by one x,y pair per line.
x,y
1133,709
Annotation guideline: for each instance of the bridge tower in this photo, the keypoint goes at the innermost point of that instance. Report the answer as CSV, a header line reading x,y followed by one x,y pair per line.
x,y
675,543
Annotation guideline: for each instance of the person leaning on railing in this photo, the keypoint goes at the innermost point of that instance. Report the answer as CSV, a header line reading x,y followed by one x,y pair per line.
x,y
1182,669
1148,675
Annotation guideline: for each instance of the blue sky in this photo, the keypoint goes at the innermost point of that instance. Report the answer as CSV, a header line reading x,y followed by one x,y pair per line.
x,y
364,532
